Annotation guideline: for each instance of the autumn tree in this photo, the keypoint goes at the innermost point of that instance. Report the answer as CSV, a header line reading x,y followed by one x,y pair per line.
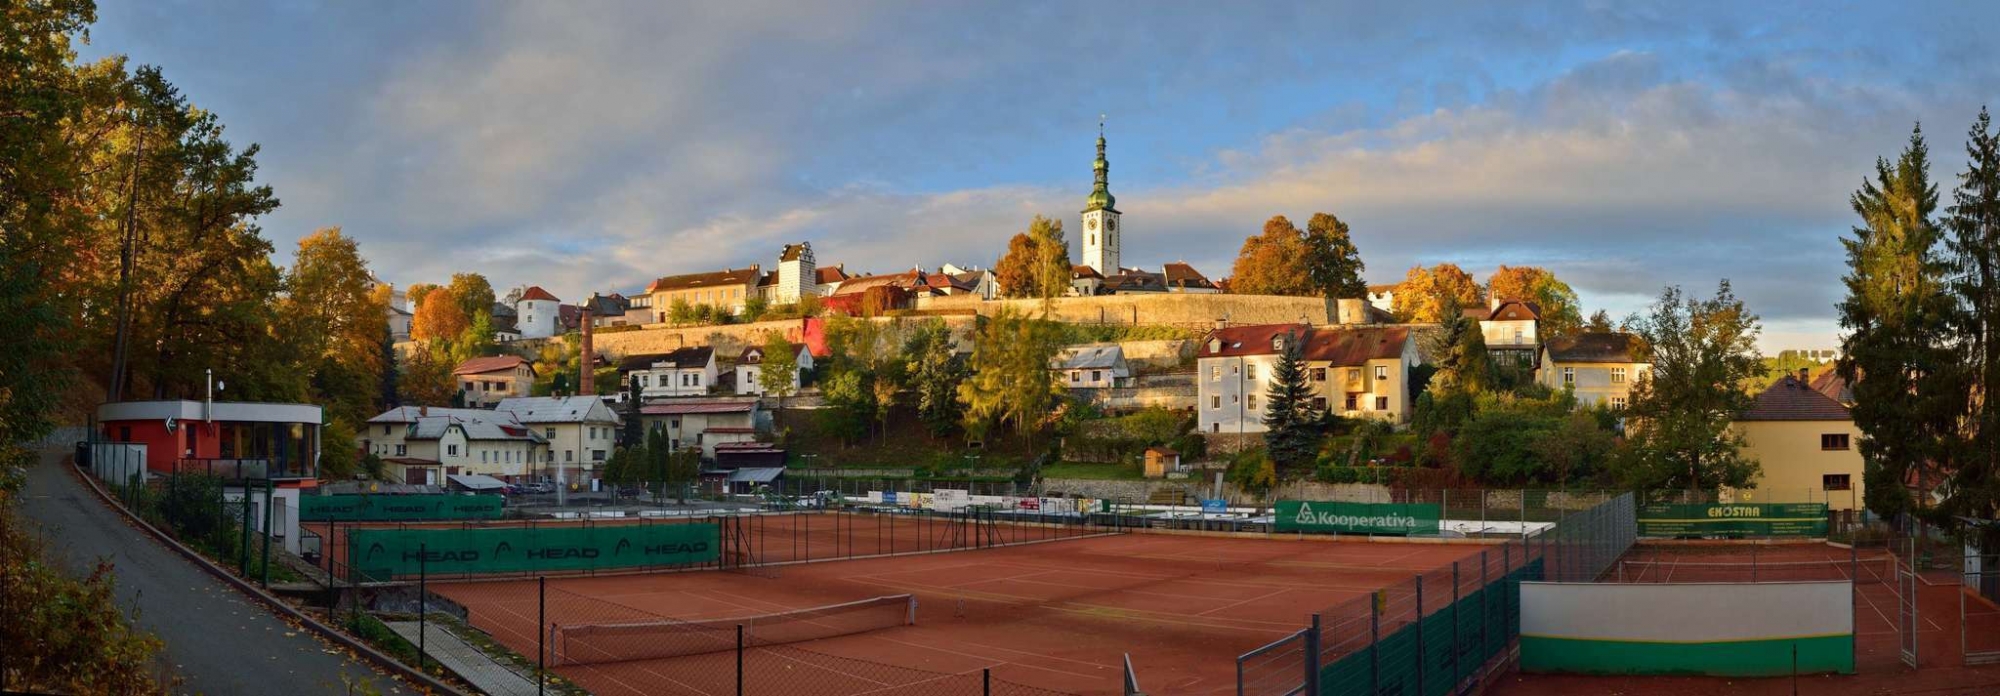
x,y
1560,312
1016,271
1333,264
778,373
414,295
1600,321
1274,262
1052,266
1421,299
1701,350
335,319
440,316
1010,381
473,293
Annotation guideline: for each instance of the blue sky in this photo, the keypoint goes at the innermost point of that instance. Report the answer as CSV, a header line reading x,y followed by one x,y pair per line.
x,y
595,145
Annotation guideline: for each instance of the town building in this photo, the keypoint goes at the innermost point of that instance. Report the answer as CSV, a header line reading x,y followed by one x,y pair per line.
x,y
1183,278
538,313
581,432
279,441
487,443
703,423
750,369
1601,367
1100,217
1511,330
1806,444
483,382
682,372
727,289
1355,371
1092,366
399,323
1383,296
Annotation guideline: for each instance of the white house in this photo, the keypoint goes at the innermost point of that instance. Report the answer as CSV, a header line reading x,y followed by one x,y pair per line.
x,y
1510,329
492,444
1356,371
537,313
581,432
702,423
399,323
981,282
683,372
750,369
1092,366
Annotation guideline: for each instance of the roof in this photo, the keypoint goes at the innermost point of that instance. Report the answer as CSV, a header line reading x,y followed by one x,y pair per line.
x,y
1166,451
753,355
681,407
1080,271
1384,287
1831,384
723,278
1340,346
756,475
535,292
555,409
792,252
1791,399
1514,310
409,414
1181,275
1090,356
477,482
1596,347
690,357
830,274
1135,281
477,366
497,425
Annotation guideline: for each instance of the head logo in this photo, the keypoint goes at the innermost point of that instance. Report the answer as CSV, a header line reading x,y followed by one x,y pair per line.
x,y
502,547
623,544
373,549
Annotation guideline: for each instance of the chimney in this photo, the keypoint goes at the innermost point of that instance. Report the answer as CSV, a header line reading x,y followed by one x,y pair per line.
x,y
586,383
1804,378
423,410
1492,302
1221,323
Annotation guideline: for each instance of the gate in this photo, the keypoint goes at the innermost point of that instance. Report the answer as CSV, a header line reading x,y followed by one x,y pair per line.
x,y
1906,605
1979,612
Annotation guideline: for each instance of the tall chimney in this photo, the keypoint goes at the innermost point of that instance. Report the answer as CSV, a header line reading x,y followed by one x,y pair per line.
x,y
586,384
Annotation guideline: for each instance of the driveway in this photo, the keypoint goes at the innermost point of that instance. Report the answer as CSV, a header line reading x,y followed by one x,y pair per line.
x,y
218,641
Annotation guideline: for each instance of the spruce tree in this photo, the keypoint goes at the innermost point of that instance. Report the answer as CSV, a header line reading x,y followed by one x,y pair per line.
x,y
1291,431
1975,287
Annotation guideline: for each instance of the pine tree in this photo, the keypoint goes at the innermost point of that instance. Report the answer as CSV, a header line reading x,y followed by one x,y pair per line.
x,y
1975,268
1291,431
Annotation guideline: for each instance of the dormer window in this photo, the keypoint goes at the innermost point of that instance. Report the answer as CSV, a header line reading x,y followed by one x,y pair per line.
x,y
1215,345
1278,342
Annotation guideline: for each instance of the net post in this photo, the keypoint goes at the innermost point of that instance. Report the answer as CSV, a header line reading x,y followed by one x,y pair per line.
x,y
986,680
1374,646
1312,657
1456,639
739,659
541,636
269,488
1420,635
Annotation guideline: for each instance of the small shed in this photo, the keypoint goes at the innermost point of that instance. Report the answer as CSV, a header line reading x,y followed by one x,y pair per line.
x,y
1161,461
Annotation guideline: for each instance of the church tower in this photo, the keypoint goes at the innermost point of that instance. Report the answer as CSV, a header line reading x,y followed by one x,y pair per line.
x,y
1100,217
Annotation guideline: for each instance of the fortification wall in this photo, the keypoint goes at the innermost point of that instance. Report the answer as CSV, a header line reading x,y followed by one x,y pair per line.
x,y
1165,309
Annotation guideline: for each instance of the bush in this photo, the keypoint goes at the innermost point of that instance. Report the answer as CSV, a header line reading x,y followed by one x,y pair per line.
x,y
64,635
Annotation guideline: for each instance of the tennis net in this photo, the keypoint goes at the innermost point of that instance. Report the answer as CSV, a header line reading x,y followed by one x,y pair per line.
x,y
1863,570
595,643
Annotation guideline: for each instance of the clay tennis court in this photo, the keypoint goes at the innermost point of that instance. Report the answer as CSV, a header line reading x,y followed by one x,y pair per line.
x,y
1058,615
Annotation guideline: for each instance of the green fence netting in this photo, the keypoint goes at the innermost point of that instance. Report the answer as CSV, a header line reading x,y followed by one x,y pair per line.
x,y
1433,656
393,508
1357,518
1749,519
384,553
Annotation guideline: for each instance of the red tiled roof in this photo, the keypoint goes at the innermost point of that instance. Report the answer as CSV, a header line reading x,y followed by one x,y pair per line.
x,y
1080,271
675,408
1181,275
830,274
1384,287
1596,347
722,278
535,292
1830,384
1794,400
1339,346
496,363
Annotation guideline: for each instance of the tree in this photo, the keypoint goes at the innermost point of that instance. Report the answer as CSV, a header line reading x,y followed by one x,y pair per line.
x,y
1897,355
416,292
1559,309
1577,447
1016,271
755,307
1052,266
679,312
1291,432
1332,262
1700,351
1600,321
1421,297
935,370
1010,380
473,293
1459,350
778,373
1974,222
335,320
1274,262
440,316
426,376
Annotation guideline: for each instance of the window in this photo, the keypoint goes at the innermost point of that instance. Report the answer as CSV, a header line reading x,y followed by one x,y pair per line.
x,y
1617,375
1835,482
1250,372
1234,398
402,450
1319,403
1215,402
1569,375
549,433
675,423
1318,374
597,455
1381,372
451,450
1096,375
1617,402
1215,373
1833,441
1353,402
482,456
1381,403
124,433
569,455
385,430
1075,376
1236,369
1250,402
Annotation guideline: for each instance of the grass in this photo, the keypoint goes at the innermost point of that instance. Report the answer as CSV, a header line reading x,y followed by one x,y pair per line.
x,y
1092,470
905,445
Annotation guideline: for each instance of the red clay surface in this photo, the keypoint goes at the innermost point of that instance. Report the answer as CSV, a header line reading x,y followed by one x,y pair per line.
x,y
1879,667
1056,615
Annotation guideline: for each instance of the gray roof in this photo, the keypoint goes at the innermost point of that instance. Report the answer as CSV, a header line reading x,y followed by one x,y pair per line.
x,y
488,428
757,475
409,414
477,482
1092,356
557,409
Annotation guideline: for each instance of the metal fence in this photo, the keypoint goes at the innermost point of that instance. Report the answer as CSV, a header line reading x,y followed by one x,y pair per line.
x,y
1440,630
191,501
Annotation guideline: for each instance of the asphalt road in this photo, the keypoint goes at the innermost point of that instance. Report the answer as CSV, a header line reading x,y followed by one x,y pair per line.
x,y
218,641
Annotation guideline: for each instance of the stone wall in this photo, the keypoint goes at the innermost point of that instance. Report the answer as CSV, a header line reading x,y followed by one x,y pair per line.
x,y
1168,309
1176,391
728,340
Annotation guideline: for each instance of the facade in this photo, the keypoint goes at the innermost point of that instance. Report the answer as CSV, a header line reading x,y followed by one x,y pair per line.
x,y
798,276
1510,329
1806,443
1100,218
489,443
1084,281
485,381
399,323
750,369
683,372
537,314
1356,371
1601,367
830,278
1383,297
728,289
581,432
227,436
972,280
1093,366
387,434
702,423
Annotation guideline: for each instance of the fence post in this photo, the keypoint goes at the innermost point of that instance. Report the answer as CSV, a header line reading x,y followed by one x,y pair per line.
x,y
1420,634
541,633
1485,606
986,679
1456,639
739,659
1374,649
269,488
423,574
244,560
1312,657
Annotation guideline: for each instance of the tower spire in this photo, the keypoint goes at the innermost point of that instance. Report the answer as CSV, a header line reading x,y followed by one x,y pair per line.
x,y
1100,192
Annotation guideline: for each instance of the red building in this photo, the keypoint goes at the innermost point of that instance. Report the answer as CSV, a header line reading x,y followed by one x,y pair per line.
x,y
285,437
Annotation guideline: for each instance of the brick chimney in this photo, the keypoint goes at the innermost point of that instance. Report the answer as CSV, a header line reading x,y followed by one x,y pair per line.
x,y
586,383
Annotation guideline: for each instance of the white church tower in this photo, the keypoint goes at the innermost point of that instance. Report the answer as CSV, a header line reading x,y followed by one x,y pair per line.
x,y
1100,217
798,276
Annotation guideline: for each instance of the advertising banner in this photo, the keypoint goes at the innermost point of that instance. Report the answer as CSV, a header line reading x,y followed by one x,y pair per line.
x,y
1214,506
386,553
1357,518
392,508
1746,519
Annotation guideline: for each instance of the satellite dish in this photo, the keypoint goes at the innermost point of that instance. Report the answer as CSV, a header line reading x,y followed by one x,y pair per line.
x,y
220,385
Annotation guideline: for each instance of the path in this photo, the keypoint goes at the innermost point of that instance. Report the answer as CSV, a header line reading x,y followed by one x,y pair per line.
x,y
466,661
218,640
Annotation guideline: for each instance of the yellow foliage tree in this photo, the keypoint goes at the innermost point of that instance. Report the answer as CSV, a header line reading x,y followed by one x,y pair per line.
x,y
1422,298
1273,263
440,316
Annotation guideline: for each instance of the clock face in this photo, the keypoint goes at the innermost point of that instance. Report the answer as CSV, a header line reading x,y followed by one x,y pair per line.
x,y
1110,223
1090,224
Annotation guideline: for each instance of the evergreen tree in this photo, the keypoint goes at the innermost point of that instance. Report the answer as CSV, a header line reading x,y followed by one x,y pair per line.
x,y
1895,355
1975,266
1292,431
1459,349
935,371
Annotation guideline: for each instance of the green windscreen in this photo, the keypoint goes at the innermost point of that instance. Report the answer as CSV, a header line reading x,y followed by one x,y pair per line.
x,y
1357,518
391,508
384,553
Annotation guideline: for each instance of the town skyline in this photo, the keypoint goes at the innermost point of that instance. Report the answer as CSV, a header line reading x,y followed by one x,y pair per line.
x,y
1621,149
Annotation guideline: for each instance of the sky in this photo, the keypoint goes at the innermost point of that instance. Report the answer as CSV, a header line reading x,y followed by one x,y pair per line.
x,y
595,145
